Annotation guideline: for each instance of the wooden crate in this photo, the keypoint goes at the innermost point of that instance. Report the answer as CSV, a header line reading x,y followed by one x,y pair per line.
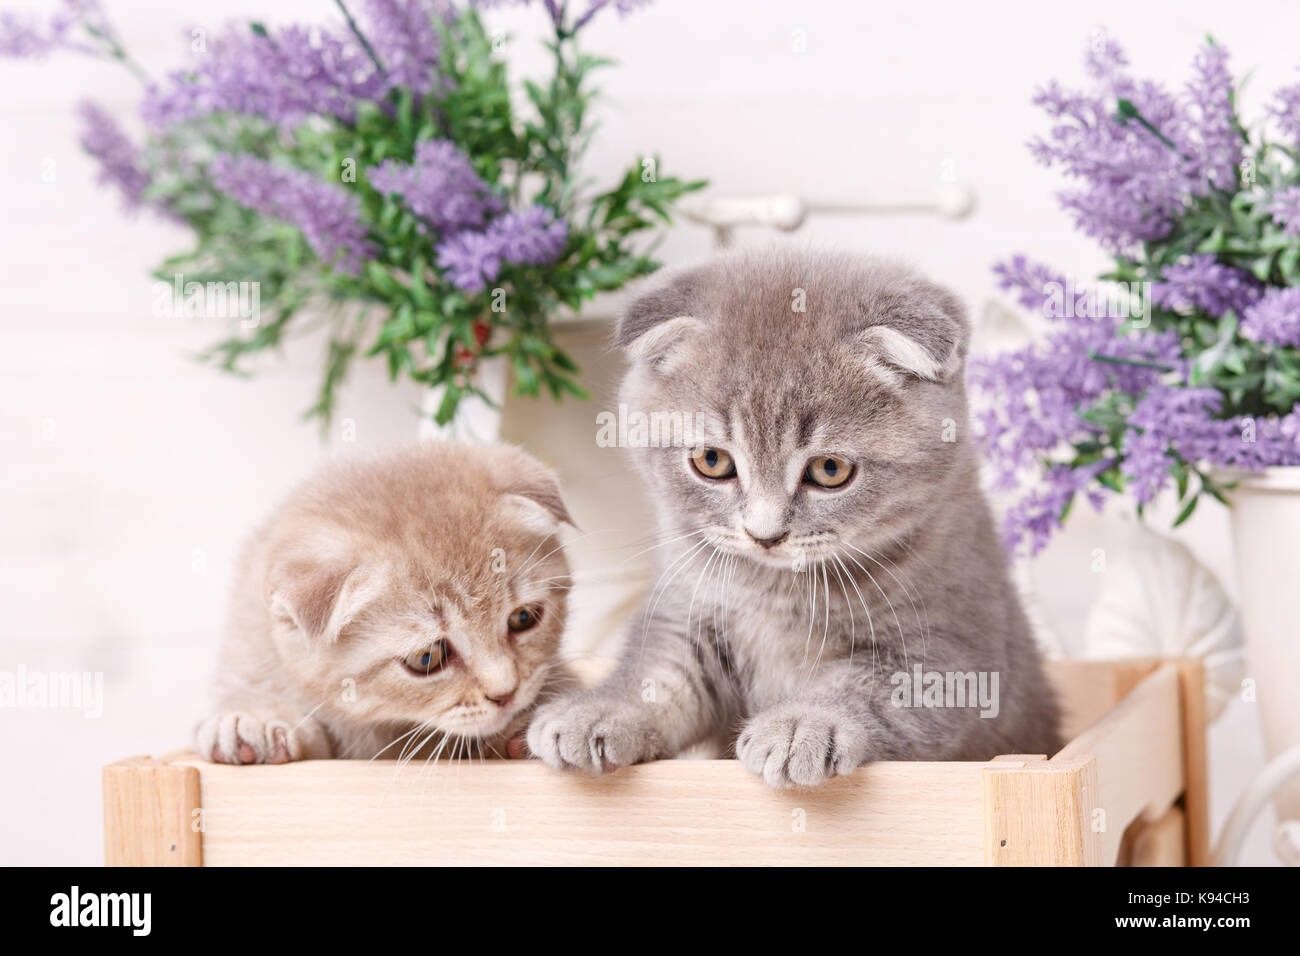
x,y
1129,788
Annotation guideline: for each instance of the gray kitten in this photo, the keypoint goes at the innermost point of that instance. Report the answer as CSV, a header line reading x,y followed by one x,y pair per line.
x,y
833,590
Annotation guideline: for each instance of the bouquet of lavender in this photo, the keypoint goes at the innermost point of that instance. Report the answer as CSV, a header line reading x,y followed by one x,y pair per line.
x,y
375,172
1184,359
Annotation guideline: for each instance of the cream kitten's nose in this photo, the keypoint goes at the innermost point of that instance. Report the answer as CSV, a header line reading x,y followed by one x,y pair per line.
x,y
498,679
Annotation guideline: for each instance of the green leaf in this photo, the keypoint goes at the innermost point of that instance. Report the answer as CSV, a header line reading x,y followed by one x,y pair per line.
x,y
1112,480
420,293
1187,510
529,148
447,407
525,377
382,279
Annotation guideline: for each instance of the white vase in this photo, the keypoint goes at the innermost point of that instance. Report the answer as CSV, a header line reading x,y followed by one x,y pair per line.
x,y
476,420
1266,538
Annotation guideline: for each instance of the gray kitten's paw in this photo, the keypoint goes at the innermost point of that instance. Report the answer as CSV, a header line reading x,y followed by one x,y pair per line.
x,y
594,732
242,738
800,744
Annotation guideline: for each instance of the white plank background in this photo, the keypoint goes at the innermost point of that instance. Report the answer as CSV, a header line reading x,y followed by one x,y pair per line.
x,y
117,536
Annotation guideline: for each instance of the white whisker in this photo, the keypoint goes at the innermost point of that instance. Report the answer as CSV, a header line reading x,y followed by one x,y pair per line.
x,y
662,586
908,589
871,625
890,604
848,604
699,581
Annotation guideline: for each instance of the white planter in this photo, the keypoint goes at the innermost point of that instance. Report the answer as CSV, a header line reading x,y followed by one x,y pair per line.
x,y
476,421
1266,537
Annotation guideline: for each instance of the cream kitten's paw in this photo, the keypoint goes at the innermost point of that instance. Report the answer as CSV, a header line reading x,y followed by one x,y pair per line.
x,y
594,732
801,744
242,738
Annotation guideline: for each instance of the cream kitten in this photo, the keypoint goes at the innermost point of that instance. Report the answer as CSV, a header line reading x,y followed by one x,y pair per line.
x,y
413,602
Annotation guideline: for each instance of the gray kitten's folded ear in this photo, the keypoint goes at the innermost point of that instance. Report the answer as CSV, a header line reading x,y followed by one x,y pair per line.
x,y
923,332
662,316
317,586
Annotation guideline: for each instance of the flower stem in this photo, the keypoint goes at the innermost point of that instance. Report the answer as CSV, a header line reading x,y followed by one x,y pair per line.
x,y
594,9
117,52
365,44
1127,111
1136,363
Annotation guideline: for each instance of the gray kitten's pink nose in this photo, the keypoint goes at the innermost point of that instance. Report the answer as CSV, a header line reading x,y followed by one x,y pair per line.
x,y
771,542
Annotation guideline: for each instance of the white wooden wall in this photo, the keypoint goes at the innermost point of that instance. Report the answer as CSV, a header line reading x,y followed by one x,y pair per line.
x,y
129,473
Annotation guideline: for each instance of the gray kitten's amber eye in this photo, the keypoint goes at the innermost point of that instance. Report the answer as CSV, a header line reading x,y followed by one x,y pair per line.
x,y
828,471
523,618
713,463
428,661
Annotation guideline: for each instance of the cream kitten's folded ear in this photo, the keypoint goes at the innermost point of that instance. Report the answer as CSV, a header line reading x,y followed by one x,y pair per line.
x,y
533,495
318,586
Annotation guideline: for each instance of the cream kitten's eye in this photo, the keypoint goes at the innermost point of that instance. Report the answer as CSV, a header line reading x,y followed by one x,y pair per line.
x,y
523,618
713,463
428,661
828,471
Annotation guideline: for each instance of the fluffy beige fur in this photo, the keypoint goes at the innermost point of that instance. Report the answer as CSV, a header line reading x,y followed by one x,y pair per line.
x,y
370,562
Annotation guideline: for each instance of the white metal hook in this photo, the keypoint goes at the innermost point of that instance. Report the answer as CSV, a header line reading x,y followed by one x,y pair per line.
x,y
787,211
1261,790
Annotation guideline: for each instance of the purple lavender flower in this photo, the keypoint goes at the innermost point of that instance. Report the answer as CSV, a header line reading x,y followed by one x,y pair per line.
x,y
1094,390
1275,318
28,37
1039,512
1028,280
440,187
1134,184
297,71
1286,110
120,161
595,6
1251,444
283,77
1041,392
1215,137
1285,209
1185,421
328,216
1137,177
533,237
555,8
404,38
1168,419
471,259
31,36
1263,443
1146,464
1203,283
1104,60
